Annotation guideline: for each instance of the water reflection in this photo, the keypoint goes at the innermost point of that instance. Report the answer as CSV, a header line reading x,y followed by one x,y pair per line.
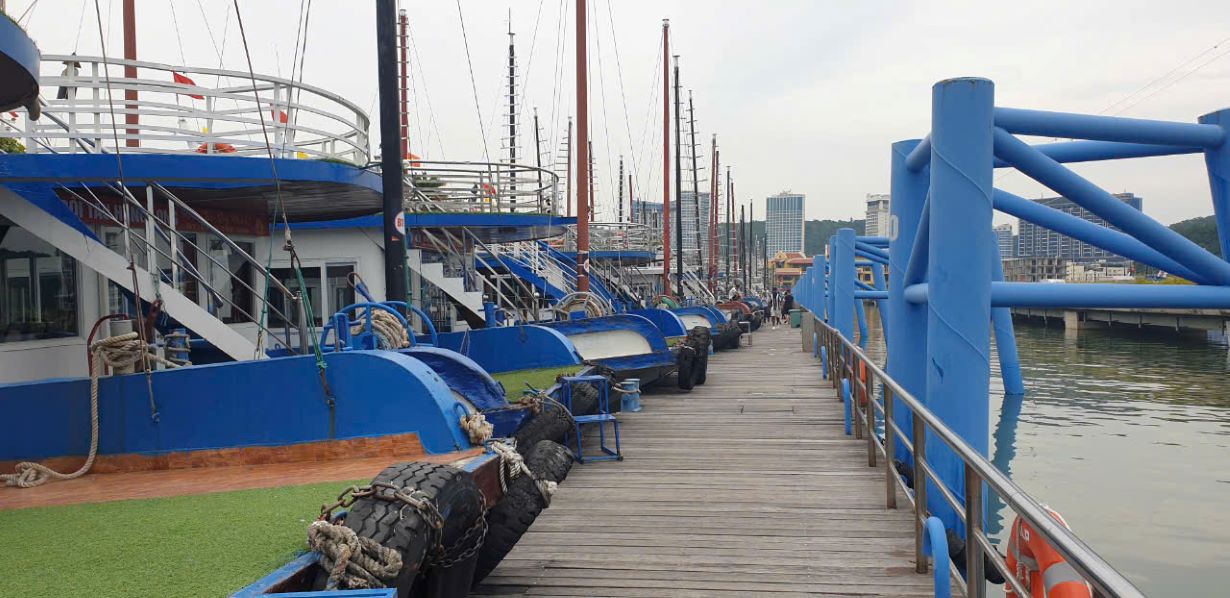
x,y
1126,434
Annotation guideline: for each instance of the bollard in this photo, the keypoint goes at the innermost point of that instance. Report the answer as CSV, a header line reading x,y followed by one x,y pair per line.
x,y
630,395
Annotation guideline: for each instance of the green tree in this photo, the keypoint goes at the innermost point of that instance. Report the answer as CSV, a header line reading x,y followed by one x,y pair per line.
x,y
9,145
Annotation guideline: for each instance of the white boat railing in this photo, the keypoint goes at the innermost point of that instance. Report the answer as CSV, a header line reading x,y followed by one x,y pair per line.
x,y
187,110
481,187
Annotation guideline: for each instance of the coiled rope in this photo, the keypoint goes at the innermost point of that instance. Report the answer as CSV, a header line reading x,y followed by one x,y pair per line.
x,y
353,561
122,351
387,328
513,465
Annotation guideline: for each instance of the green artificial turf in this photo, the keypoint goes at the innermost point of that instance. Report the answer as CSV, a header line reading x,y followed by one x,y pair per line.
x,y
542,379
202,545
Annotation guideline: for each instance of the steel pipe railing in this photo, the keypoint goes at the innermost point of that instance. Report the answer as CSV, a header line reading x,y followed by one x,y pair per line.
x,y
849,363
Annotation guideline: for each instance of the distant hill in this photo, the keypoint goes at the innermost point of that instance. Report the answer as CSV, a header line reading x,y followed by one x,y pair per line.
x,y
1202,231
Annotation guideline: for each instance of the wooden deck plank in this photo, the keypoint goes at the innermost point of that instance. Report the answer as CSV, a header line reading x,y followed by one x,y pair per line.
x,y
745,486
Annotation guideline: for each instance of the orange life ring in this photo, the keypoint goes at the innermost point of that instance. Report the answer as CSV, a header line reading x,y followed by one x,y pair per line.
x,y
1039,567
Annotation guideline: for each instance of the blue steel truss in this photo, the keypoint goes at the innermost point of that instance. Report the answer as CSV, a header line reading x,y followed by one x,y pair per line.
x,y
945,297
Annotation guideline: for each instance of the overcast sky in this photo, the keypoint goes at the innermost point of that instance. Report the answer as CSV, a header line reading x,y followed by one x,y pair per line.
x,y
803,95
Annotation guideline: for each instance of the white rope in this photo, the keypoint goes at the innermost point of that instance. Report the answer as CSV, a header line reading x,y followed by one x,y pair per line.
x,y
477,428
387,328
123,351
352,561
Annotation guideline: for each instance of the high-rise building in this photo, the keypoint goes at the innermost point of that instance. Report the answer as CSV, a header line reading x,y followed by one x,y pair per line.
x,y
1037,241
1005,240
691,227
877,215
784,222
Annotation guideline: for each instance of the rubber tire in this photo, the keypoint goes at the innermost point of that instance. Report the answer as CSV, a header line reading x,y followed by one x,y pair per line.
x,y
510,518
384,521
700,338
584,399
685,372
701,370
552,423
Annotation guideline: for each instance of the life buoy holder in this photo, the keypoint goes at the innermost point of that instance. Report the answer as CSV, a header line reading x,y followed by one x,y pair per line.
x,y
1039,567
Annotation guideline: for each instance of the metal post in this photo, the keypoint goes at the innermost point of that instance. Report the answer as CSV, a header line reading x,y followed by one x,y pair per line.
x,y
908,321
730,214
869,412
583,156
538,156
695,180
620,200
890,443
568,171
390,160
1217,160
918,430
959,260
975,576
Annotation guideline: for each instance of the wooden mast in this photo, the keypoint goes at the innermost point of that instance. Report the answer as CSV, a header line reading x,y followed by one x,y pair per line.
x,y
130,73
583,155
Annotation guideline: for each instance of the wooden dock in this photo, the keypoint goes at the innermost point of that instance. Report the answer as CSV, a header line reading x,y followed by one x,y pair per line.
x,y
747,485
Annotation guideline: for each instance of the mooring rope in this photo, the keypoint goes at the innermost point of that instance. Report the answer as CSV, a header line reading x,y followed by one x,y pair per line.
x,y
513,465
122,351
387,328
477,428
353,561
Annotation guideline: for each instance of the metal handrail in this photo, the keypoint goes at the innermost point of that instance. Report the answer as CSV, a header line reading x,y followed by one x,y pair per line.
x,y
844,359
227,119
480,187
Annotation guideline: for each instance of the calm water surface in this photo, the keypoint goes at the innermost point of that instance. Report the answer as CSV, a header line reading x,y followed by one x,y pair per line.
x,y
1128,436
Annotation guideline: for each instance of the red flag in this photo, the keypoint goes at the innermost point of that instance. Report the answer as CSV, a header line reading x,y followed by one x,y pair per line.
x,y
277,114
186,81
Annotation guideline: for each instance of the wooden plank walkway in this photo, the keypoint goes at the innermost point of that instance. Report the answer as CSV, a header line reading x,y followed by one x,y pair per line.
x,y
745,486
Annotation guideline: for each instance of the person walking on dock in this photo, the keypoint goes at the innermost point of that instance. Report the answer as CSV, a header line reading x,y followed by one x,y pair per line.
x,y
787,305
775,307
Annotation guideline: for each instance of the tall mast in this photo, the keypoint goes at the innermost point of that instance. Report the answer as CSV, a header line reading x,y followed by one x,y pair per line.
x,y
568,169
713,215
666,157
730,215
621,190
695,181
678,187
130,72
538,155
631,199
512,114
742,240
404,38
583,157
593,197
390,161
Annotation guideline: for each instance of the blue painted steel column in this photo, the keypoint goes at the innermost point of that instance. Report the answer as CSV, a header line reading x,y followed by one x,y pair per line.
x,y
1005,336
860,310
907,347
877,278
843,283
959,276
828,281
1218,161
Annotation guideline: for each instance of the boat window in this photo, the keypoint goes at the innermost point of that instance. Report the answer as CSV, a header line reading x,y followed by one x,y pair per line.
x,y
38,288
341,293
311,277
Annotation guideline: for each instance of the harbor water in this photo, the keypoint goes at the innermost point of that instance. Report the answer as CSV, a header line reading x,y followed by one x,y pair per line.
x,y
1127,434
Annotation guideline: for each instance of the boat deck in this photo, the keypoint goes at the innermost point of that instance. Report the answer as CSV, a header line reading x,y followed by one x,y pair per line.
x,y
747,485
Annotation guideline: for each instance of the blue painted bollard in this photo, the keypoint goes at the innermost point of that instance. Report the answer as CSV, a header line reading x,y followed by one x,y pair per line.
x,y
630,395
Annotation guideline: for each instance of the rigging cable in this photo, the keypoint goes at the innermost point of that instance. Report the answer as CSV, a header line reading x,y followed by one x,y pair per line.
x,y
561,30
606,132
1163,77
623,96
80,24
422,77
473,85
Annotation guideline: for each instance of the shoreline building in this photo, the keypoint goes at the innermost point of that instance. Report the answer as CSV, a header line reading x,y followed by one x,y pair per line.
x,y
1036,241
877,218
1005,240
784,222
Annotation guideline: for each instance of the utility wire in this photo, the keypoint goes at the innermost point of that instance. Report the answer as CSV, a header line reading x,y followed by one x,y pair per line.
x,y
622,94
1161,78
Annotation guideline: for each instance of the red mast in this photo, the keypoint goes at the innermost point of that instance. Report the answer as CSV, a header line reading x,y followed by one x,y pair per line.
x,y
582,156
130,73
666,157
405,94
